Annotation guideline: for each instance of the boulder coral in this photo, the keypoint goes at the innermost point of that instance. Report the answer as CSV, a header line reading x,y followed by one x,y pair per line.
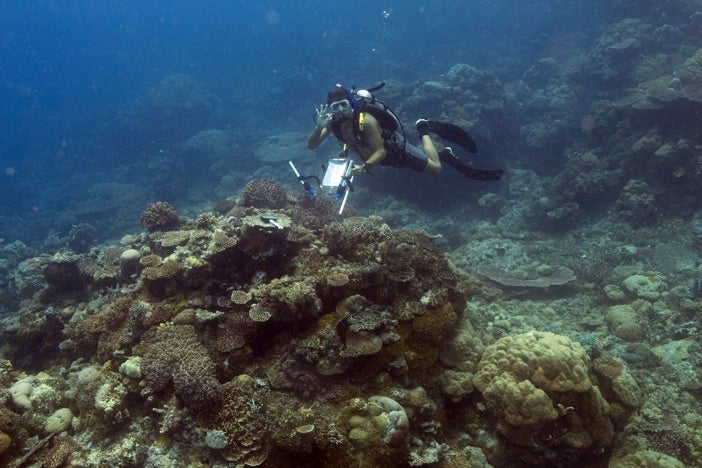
x,y
548,408
379,430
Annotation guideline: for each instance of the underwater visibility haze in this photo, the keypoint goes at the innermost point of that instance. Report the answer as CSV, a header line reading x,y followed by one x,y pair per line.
x,y
172,294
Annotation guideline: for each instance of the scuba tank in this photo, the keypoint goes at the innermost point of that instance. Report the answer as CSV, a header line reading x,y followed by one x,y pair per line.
x,y
386,117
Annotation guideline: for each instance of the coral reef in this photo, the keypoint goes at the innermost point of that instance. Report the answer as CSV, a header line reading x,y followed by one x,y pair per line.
x,y
208,325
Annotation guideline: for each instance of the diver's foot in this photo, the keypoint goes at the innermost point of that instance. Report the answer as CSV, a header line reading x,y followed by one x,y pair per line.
x,y
448,156
423,127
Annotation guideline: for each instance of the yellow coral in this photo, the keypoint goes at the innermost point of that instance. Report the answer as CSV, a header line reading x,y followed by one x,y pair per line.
x,y
552,362
520,401
191,262
539,382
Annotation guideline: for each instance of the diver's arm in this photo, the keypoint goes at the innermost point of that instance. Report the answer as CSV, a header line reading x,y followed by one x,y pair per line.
x,y
317,137
322,119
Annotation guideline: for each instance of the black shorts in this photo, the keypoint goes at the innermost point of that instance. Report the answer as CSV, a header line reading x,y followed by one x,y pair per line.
x,y
412,157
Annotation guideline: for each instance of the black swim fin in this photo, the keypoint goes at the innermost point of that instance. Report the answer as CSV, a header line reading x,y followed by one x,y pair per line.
x,y
454,134
479,174
446,155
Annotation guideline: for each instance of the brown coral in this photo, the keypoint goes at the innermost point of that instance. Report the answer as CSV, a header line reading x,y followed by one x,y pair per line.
x,y
174,354
82,237
337,279
401,274
353,237
166,270
316,212
205,221
240,297
617,383
60,451
258,313
684,84
150,260
160,216
263,193
539,385
243,420
557,276
105,331
222,241
608,366
290,298
173,239
231,334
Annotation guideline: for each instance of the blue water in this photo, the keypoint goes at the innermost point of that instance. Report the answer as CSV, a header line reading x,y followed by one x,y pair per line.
x,y
70,68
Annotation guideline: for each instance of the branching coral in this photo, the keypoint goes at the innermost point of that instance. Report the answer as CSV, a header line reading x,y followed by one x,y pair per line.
x,y
316,212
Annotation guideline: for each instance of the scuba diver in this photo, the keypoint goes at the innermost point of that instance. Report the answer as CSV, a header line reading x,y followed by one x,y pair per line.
x,y
375,133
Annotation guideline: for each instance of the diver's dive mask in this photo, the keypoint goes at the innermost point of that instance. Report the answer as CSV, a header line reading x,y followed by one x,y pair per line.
x,y
341,109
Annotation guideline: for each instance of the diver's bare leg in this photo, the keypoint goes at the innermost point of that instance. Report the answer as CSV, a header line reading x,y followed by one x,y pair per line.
x,y
434,164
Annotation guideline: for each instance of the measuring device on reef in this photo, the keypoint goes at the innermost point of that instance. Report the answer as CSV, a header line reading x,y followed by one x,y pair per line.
x,y
271,220
337,180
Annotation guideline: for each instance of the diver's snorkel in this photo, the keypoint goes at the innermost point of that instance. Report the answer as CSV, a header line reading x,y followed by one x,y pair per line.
x,y
350,96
